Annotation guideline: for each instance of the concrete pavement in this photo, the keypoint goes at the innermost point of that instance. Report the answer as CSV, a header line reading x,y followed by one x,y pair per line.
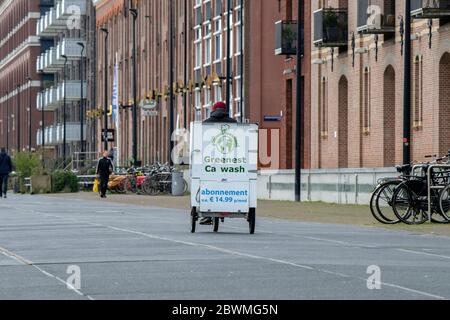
x,y
126,251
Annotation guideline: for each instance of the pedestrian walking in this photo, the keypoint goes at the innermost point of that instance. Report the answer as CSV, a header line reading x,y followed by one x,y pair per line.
x,y
105,168
5,169
219,114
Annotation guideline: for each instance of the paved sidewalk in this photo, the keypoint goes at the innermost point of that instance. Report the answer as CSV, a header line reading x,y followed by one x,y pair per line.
x,y
307,212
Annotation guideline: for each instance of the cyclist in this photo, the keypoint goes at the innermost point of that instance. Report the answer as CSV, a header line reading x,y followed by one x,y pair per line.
x,y
219,114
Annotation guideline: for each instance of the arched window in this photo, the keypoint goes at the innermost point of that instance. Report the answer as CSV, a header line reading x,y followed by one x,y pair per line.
x,y
366,101
444,104
418,93
389,119
324,108
343,123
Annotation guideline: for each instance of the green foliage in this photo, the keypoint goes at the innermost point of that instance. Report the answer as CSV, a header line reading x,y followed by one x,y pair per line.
x,y
64,181
27,164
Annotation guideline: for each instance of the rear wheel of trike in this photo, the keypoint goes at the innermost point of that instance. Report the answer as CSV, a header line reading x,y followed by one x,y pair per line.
x,y
216,224
252,220
194,218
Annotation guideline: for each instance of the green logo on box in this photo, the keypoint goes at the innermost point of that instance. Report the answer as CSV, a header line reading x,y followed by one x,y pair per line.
x,y
225,142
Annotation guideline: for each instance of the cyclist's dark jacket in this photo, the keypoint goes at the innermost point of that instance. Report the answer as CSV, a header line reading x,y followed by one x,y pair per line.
x,y
220,116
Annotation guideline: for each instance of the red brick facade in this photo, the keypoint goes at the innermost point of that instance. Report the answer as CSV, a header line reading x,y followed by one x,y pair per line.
x,y
19,82
367,131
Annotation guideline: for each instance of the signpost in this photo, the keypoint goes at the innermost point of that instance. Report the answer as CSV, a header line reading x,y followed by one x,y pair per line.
x,y
149,108
110,134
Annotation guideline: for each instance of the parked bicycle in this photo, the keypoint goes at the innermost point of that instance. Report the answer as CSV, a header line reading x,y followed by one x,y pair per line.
x,y
405,198
159,180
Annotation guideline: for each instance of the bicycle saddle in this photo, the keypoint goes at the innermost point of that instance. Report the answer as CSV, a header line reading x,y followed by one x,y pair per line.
x,y
404,168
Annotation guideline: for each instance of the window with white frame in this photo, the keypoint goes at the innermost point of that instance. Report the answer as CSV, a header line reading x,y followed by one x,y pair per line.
x,y
198,47
218,39
208,40
207,102
217,93
198,104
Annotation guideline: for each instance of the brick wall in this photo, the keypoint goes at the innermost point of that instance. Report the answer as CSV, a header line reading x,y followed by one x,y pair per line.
x,y
377,141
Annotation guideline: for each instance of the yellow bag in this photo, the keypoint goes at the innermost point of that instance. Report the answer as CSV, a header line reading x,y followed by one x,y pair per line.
x,y
96,185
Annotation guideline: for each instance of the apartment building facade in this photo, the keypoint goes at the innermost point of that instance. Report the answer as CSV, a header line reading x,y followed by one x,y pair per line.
x,y
357,82
19,81
64,65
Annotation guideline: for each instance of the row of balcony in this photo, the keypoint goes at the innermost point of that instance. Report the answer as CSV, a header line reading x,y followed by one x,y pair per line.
x,y
65,15
52,98
54,134
51,61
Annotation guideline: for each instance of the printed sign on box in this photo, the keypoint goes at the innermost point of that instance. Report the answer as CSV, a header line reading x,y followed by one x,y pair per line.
x,y
224,197
227,152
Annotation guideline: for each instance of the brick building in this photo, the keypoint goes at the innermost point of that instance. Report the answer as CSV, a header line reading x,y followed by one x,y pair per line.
x,y
152,73
19,82
199,67
271,80
259,77
357,82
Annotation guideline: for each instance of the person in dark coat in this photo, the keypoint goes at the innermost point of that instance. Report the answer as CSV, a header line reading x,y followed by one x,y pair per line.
x,y
104,169
219,114
5,169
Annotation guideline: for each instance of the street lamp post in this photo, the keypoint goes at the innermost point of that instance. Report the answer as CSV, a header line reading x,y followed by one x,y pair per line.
x,y
299,97
105,107
229,73
81,44
29,114
18,119
171,82
185,63
407,87
64,112
42,122
7,120
134,13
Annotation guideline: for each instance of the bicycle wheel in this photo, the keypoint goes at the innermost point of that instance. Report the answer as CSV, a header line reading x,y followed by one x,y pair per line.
x,y
383,203
404,203
131,185
444,203
186,187
151,187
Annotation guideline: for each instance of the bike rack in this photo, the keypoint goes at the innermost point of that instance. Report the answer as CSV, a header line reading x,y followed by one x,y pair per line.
x,y
433,187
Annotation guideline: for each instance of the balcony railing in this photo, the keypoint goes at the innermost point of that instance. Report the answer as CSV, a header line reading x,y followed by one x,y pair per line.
x,y
66,9
40,63
54,134
286,38
71,49
73,91
51,62
430,9
331,27
49,26
47,100
376,16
